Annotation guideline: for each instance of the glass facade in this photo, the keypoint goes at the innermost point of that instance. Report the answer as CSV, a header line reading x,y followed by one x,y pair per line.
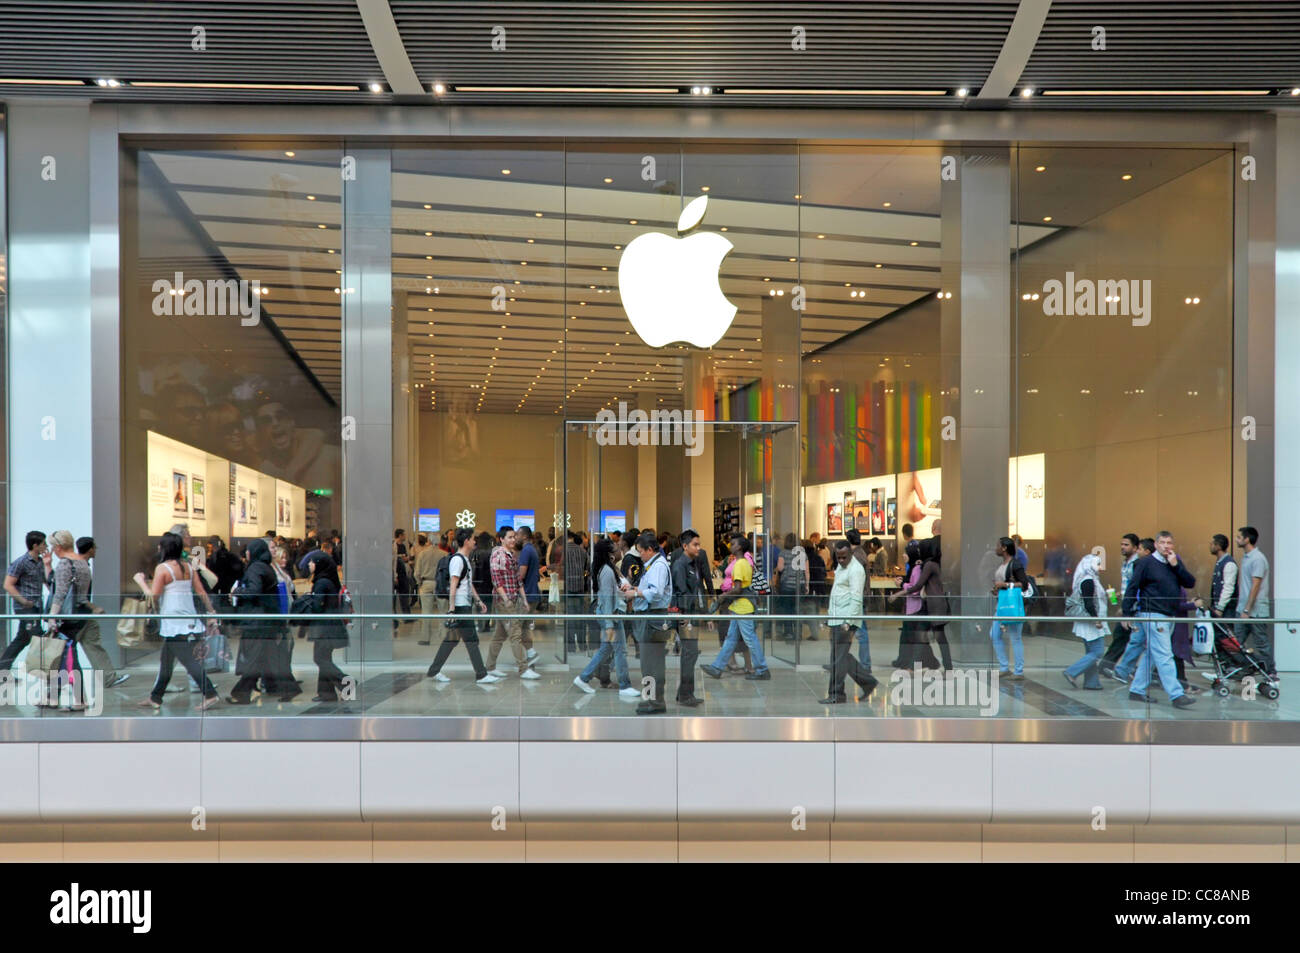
x,y
803,344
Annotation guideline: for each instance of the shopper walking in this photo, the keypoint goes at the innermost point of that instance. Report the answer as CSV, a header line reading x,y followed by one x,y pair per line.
x,y
791,585
259,658
1087,605
175,589
1128,551
1009,576
688,598
328,630
741,610
1257,637
461,628
426,578
507,599
25,582
1153,595
613,642
846,620
652,596
90,638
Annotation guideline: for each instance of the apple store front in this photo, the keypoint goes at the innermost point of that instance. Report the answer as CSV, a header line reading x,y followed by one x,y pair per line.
x,y
810,336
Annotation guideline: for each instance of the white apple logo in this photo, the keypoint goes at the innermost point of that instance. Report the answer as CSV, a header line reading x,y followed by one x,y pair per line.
x,y
670,286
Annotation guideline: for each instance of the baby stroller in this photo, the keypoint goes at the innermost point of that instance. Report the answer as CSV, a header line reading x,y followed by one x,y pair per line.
x,y
1232,662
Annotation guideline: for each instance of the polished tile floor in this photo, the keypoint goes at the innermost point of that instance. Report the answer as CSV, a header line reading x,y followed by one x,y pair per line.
x,y
400,687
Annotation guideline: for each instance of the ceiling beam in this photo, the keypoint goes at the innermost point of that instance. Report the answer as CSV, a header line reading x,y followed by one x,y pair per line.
x,y
389,49
1016,49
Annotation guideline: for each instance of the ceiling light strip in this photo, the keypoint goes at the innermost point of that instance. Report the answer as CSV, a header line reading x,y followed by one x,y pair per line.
x,y
835,92
290,86
43,82
667,90
1156,92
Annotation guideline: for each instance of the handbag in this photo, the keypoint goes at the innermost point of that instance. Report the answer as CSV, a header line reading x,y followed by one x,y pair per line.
x,y
132,632
44,651
1074,607
1011,602
1203,633
215,653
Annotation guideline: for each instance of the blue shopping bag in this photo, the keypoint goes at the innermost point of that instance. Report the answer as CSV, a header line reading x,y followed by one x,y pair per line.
x,y
1011,602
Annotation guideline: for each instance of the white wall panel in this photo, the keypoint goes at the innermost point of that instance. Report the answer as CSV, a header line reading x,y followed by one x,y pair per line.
x,y
913,782
268,780
573,780
439,780
756,780
125,781
1066,783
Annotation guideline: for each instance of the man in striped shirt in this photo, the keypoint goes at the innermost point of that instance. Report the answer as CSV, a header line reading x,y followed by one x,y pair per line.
x,y
508,597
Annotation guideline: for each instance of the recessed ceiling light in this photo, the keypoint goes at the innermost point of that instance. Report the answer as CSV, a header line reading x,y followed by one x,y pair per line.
x,y
322,226
1040,168
289,154
888,204
428,206
505,171
608,181
311,198
1027,92
963,93
439,89
1126,176
821,236
913,244
1047,218
376,88
538,214
631,221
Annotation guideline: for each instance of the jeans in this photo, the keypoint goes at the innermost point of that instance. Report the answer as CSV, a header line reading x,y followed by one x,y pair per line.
x,y
742,627
1118,643
864,648
615,643
1258,637
578,632
843,663
1092,650
1160,653
180,650
1012,631
1137,645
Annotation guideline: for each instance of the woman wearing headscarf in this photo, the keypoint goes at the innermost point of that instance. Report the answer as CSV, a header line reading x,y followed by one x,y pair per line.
x,y
259,595
327,631
914,641
1087,605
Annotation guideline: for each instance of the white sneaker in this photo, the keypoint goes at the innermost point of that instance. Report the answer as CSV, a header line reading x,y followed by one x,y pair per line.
x,y
491,678
441,678
532,626
583,685
498,673
629,692
529,673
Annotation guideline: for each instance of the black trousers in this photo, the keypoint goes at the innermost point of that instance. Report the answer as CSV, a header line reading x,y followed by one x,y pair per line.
x,y
180,650
26,629
1118,643
330,676
843,663
463,630
690,655
913,648
654,658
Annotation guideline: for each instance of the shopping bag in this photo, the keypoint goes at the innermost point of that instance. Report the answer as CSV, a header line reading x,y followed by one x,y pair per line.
x,y
1011,602
1203,633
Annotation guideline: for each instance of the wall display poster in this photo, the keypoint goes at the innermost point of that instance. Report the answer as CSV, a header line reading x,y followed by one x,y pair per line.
x,y
877,511
428,521
198,495
252,506
849,500
834,519
891,516
862,517
241,512
613,521
920,500
180,494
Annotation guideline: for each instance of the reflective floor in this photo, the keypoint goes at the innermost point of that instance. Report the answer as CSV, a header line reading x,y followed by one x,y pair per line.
x,y
400,687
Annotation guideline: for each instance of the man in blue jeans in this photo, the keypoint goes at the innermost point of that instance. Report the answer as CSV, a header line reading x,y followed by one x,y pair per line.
x,y
1157,583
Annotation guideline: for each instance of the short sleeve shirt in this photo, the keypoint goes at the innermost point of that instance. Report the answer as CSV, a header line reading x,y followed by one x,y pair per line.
x,y
528,559
1254,565
30,574
742,575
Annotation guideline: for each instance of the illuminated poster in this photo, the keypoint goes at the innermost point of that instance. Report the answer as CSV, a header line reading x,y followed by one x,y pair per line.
x,y
198,495
834,519
180,494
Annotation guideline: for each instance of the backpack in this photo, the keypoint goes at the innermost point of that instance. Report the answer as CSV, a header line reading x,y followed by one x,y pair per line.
x,y
442,577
